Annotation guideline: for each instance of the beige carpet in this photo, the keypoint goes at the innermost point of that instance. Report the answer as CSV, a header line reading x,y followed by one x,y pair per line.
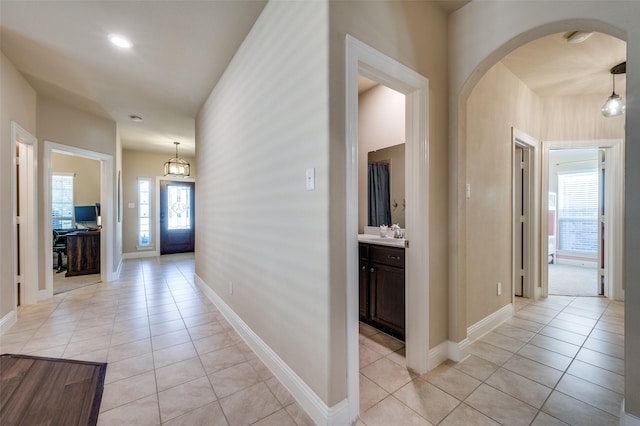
x,y
569,280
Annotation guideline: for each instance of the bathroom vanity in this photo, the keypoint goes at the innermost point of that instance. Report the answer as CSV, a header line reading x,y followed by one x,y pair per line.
x,y
382,284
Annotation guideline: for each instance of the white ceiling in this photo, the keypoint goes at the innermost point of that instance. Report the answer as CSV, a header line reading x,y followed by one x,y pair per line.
x,y
552,67
181,48
180,51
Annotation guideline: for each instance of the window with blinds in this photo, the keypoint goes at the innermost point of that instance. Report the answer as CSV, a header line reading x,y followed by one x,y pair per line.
x,y
578,211
62,200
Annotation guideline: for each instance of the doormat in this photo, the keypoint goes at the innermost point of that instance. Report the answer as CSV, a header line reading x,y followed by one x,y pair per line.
x,y
49,391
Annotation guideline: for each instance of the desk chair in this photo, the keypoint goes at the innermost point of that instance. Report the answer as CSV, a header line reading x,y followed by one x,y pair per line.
x,y
59,246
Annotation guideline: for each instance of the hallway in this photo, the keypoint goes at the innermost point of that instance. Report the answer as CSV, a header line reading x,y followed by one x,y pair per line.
x,y
174,360
172,357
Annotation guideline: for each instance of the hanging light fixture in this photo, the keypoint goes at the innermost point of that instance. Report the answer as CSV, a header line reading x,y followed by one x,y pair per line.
x,y
177,167
615,104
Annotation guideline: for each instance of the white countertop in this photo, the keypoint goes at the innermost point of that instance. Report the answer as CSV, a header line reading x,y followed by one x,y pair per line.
x,y
382,241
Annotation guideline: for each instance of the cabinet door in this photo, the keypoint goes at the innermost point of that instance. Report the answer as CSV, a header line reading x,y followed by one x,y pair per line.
x,y
364,289
387,298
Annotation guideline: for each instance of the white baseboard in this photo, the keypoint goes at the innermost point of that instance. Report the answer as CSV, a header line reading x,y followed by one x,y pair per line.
x,y
627,419
7,321
485,325
44,294
139,254
438,355
303,394
458,351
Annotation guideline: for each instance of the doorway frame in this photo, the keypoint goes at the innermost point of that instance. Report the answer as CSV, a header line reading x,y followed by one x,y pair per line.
x,y
614,204
532,258
28,214
107,197
365,60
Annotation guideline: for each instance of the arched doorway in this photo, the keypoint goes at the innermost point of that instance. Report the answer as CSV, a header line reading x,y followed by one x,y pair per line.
x,y
475,50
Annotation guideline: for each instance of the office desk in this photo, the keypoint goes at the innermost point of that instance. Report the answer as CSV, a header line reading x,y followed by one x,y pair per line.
x,y
83,253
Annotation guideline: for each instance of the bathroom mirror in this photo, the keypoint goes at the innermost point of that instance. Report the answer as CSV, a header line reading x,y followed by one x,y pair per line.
x,y
386,186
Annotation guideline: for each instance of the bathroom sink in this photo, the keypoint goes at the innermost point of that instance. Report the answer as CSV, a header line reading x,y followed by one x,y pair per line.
x,y
385,241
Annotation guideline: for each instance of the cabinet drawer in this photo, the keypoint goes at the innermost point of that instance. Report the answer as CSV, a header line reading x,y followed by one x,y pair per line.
x,y
387,255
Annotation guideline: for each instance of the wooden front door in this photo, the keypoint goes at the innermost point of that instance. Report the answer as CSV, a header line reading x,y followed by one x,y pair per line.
x,y
177,217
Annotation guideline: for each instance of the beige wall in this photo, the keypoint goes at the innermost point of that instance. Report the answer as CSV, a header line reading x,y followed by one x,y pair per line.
x,y
381,124
473,50
137,164
577,118
498,102
415,34
17,103
86,183
263,125
66,125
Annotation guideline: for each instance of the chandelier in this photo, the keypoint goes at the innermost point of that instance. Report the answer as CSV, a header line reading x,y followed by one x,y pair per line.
x,y
176,166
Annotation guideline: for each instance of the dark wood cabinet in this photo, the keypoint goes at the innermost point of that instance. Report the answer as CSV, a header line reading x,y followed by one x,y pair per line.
x,y
83,253
382,288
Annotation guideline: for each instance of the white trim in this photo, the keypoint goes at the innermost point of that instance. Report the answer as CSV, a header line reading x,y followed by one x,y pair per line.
x,y
156,203
303,394
458,351
28,146
488,323
438,355
627,419
107,200
7,321
140,254
365,60
532,145
614,203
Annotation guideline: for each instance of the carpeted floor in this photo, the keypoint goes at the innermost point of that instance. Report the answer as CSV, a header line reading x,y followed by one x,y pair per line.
x,y
569,280
50,391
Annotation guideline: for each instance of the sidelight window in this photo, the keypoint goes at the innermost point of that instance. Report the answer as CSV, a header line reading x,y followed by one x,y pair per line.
x,y
144,212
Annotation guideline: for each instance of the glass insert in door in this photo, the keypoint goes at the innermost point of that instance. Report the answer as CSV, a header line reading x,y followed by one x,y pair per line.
x,y
179,203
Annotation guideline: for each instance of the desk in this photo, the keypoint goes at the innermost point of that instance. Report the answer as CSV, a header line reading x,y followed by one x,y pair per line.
x,y
83,253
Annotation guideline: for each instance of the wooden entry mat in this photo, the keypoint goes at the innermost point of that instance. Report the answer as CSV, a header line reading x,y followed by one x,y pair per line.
x,y
49,391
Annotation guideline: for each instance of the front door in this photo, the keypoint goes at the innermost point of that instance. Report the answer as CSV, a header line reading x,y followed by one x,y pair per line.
x,y
177,217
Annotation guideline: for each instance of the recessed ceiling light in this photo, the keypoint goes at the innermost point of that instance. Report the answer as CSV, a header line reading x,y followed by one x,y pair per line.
x,y
120,41
135,118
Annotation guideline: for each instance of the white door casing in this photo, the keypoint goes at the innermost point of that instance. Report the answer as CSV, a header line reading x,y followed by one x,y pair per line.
x,y
613,204
363,59
28,195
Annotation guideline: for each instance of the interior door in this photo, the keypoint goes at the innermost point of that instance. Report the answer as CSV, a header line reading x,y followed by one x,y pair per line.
x,y
519,215
177,217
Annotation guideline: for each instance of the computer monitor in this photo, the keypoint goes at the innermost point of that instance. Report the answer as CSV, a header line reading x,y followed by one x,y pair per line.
x,y
86,216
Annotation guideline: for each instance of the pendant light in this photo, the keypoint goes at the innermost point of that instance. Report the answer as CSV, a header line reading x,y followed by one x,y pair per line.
x,y
615,104
177,167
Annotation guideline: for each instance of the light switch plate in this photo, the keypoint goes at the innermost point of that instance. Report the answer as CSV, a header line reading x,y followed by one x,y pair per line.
x,y
132,205
311,179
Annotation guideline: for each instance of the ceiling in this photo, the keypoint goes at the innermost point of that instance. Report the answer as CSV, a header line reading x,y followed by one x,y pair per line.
x,y
182,48
552,67
180,51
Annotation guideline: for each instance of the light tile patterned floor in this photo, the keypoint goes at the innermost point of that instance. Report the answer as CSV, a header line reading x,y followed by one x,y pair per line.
x,y
556,362
173,358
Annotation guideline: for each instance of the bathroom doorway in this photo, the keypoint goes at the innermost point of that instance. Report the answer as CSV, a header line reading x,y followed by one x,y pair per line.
x,y
366,61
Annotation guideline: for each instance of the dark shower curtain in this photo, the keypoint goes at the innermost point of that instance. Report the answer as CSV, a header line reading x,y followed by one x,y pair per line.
x,y
379,195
